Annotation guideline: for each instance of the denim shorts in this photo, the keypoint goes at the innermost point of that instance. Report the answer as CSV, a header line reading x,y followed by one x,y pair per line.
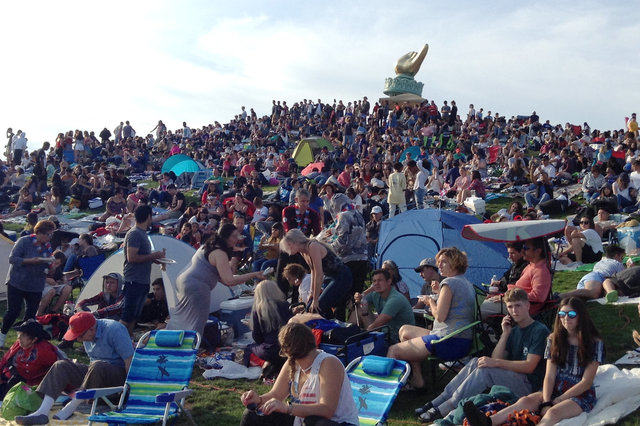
x,y
135,295
452,348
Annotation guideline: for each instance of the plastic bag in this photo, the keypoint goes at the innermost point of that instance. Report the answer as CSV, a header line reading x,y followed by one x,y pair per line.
x,y
19,401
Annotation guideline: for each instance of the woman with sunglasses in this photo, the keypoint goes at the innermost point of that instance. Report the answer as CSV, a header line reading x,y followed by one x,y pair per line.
x,y
574,352
585,243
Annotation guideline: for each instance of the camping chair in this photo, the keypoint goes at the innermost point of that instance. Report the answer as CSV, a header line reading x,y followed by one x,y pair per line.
x,y
375,384
477,342
157,383
90,264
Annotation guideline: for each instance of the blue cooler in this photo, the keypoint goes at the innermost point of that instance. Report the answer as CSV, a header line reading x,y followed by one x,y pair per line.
x,y
234,310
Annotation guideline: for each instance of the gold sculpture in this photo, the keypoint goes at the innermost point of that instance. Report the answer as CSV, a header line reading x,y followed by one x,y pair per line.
x,y
409,64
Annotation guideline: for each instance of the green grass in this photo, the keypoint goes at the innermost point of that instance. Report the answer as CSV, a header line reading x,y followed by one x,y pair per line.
x,y
218,401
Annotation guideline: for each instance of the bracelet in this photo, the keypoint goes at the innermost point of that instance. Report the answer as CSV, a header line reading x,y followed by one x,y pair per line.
x,y
545,404
290,410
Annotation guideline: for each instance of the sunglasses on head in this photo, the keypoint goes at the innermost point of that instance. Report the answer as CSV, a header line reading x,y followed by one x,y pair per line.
x,y
570,314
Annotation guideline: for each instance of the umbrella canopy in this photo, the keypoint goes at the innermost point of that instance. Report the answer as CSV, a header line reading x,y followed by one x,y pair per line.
x,y
309,169
511,231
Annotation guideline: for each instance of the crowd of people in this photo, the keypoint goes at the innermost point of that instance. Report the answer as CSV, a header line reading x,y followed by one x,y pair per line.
x,y
317,234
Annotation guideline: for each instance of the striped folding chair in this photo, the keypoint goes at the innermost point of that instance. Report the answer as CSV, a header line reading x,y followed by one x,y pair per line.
x,y
157,382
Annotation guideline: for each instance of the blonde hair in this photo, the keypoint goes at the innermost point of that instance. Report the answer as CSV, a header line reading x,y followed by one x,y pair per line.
x,y
296,236
266,296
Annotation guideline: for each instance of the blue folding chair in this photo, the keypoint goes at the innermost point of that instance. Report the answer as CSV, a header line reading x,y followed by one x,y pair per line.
x,y
375,383
157,382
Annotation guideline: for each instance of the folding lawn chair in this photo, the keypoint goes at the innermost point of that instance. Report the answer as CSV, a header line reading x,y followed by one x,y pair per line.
x,y
477,343
157,383
375,384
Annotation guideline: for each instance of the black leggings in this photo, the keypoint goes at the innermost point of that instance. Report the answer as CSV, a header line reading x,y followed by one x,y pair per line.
x,y
15,298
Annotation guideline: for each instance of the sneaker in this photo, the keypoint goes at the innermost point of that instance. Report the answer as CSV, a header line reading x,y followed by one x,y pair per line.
x,y
426,407
612,296
430,416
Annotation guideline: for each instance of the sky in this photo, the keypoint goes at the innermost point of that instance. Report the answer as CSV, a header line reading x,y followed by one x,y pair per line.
x,y
87,65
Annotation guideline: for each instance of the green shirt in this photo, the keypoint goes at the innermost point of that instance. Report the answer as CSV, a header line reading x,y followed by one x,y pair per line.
x,y
397,307
529,340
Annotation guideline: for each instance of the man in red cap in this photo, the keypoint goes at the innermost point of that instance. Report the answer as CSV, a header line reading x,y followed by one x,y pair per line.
x,y
109,348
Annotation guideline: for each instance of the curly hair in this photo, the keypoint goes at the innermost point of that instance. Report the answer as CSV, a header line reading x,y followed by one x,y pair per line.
x,y
457,258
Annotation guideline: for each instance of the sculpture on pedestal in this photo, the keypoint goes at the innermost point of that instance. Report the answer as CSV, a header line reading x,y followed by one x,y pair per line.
x,y
407,67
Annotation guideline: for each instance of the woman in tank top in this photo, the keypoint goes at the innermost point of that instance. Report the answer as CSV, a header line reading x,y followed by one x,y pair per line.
x,y
311,387
323,262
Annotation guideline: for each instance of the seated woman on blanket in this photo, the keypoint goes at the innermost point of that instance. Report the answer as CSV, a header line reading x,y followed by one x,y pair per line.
x,y
574,352
29,358
269,314
453,309
314,381
585,243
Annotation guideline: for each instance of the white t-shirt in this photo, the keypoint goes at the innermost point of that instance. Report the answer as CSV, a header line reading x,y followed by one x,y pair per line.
x,y
305,288
260,214
635,179
593,240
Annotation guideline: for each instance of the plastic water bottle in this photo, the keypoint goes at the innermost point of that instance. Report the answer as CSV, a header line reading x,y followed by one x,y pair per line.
x,y
364,305
494,278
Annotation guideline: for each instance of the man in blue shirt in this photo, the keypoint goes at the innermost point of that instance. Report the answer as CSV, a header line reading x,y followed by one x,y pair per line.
x,y
109,348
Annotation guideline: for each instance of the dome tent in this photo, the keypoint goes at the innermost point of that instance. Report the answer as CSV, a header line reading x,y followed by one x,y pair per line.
x,y
307,149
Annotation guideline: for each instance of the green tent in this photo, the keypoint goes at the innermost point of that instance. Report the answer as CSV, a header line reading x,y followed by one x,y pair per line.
x,y
308,148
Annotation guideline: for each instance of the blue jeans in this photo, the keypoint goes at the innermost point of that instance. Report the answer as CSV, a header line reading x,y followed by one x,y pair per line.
x,y
135,295
533,201
335,292
263,264
419,197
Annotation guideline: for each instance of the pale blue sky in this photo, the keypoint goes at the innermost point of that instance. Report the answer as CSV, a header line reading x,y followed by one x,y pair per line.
x,y
86,65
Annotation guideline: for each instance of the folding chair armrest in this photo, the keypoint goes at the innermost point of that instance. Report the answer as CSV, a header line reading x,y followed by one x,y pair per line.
x,y
173,396
97,393
455,333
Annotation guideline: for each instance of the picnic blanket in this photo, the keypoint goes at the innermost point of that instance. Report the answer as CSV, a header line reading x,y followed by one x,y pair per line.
x,y
618,394
228,369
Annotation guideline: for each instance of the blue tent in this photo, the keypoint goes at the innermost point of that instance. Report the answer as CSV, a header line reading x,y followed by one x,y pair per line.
x,y
173,160
409,237
180,164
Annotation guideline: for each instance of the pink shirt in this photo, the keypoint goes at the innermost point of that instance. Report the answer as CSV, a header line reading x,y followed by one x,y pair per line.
x,y
535,280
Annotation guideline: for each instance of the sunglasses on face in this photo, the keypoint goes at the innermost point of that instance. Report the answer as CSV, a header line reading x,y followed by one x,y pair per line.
x,y
584,222
570,314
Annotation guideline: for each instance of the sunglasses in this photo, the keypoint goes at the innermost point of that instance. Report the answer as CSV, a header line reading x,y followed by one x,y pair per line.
x,y
570,314
584,222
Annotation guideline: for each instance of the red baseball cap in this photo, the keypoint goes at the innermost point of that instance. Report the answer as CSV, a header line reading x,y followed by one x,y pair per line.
x,y
78,324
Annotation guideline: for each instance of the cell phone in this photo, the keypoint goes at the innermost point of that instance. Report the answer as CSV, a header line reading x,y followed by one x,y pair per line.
x,y
268,271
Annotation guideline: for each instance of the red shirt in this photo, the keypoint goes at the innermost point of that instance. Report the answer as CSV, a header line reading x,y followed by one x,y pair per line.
x,y
308,222
33,363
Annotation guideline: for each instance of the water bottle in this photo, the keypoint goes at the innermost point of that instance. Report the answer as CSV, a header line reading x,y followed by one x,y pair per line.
x,y
492,288
364,305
